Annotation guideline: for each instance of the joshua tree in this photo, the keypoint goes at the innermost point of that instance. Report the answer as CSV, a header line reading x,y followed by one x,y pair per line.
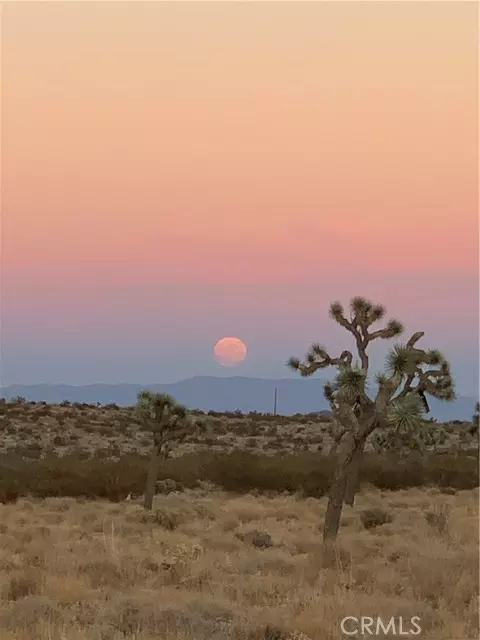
x,y
399,401
169,423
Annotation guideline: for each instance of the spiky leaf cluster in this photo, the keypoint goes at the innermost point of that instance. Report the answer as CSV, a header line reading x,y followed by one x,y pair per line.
x,y
350,383
347,396
400,360
161,414
403,442
405,415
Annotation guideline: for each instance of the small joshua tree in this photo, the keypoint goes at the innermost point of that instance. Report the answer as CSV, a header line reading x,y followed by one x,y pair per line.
x,y
399,402
169,423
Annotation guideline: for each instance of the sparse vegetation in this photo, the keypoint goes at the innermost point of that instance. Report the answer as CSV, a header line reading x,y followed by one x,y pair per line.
x,y
68,429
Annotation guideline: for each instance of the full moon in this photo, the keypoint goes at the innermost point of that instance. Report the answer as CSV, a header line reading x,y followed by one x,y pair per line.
x,y
230,351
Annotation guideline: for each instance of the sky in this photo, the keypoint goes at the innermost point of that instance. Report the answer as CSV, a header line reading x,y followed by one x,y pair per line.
x,y
173,173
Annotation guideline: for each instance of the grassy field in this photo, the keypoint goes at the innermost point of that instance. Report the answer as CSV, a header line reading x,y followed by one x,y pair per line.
x,y
234,551
209,565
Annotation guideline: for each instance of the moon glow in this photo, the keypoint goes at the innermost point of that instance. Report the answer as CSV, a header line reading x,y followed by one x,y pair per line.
x,y
230,351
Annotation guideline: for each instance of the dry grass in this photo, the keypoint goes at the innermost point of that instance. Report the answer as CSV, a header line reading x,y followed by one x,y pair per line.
x,y
72,570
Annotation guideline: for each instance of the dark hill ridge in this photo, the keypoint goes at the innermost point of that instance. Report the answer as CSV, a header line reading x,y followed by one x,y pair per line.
x,y
221,394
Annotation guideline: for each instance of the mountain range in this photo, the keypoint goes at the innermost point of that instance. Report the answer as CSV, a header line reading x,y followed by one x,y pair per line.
x,y
221,394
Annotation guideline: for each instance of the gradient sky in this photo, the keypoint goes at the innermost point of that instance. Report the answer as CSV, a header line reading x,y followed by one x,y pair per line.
x,y
176,172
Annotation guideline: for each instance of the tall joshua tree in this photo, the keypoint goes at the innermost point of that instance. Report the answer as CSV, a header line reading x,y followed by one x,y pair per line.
x,y
169,422
399,401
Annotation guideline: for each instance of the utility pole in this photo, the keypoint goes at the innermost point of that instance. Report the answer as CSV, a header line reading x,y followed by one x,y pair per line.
x,y
275,403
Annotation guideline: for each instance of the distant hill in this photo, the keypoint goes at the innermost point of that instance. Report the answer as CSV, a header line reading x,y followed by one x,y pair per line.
x,y
221,394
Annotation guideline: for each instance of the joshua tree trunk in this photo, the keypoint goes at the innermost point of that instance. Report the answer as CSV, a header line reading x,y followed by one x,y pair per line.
x,y
352,482
151,484
332,454
337,438
347,449
353,475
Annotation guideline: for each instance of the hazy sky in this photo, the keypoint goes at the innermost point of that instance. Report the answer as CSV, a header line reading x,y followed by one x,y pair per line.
x,y
177,172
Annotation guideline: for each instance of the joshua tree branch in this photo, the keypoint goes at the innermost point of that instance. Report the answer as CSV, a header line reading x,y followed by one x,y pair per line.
x,y
318,358
425,384
415,338
337,313
407,387
349,326
363,315
384,395
362,352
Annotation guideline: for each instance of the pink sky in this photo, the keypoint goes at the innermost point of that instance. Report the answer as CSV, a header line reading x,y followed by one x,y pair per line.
x,y
173,173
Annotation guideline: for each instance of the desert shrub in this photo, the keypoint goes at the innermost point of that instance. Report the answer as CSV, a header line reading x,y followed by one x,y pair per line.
x,y
259,539
221,429
71,476
441,470
372,518
307,473
438,518
167,519
105,429
36,415
122,426
27,452
242,471
169,486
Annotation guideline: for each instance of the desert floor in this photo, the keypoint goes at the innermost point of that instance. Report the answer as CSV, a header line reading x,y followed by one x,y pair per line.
x,y
77,570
